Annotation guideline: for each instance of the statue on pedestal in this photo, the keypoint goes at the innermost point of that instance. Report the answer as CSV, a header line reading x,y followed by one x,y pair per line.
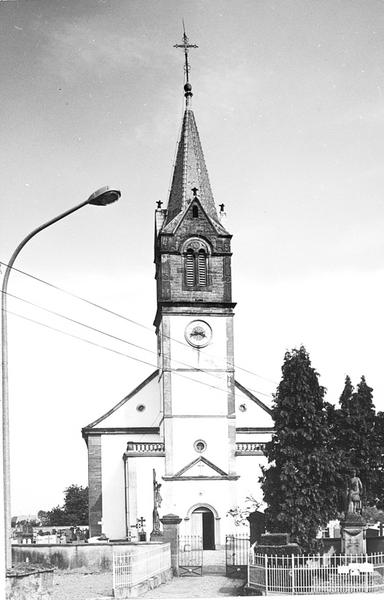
x,y
354,494
353,527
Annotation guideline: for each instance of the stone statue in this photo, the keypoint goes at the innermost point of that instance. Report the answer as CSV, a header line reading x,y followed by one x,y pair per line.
x,y
157,497
354,491
157,500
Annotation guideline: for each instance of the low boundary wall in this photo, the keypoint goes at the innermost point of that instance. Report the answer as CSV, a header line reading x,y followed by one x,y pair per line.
x,y
95,557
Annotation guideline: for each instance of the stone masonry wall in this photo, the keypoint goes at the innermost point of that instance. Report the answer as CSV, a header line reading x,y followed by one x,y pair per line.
x,y
94,485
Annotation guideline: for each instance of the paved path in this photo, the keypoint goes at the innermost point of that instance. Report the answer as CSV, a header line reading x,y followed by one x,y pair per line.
x,y
212,584
207,586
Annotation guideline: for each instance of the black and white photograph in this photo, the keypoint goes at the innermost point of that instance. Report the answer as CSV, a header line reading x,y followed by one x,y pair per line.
x,y
192,272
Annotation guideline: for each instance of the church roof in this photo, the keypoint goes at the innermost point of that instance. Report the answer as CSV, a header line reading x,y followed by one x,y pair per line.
x,y
190,179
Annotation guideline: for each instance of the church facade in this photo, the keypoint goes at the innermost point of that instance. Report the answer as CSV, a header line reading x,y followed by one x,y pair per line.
x,y
189,439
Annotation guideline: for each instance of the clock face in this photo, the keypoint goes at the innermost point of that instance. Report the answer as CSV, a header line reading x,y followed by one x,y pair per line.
x,y
198,334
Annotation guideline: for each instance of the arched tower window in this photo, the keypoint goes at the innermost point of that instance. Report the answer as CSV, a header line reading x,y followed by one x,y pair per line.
x,y
195,212
190,268
202,268
196,263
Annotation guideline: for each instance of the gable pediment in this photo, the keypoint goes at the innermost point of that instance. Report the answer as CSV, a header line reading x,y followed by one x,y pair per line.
x,y
212,224
137,410
200,468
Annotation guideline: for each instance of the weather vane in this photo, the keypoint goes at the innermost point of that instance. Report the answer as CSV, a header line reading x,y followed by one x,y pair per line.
x,y
186,46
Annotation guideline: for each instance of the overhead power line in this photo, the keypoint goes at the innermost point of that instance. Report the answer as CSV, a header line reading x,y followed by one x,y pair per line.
x,y
124,317
109,335
140,360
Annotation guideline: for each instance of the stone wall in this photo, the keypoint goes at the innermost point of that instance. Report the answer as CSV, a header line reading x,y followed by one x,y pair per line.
x,y
94,484
96,557
34,585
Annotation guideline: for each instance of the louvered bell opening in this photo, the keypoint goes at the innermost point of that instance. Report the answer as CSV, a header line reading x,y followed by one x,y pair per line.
x,y
190,269
202,267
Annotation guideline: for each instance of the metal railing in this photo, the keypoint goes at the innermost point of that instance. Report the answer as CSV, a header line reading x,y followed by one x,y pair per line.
x,y
138,564
236,554
250,447
316,574
190,555
145,447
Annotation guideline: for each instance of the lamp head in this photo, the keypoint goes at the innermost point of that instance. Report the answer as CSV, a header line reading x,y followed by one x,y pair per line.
x,y
104,196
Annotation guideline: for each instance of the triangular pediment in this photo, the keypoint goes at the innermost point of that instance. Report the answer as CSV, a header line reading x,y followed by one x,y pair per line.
x,y
201,468
175,224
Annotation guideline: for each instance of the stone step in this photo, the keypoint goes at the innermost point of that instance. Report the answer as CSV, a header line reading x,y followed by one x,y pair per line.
x,y
214,569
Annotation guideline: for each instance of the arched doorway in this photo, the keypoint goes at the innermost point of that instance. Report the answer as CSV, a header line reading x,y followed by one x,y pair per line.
x,y
203,525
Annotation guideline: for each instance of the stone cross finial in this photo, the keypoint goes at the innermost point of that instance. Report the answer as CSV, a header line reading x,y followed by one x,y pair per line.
x,y
159,203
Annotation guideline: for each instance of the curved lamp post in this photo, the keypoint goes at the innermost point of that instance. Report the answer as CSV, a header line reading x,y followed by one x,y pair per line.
x,y
101,197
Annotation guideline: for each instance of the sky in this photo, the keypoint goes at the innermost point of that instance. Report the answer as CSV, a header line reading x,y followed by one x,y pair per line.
x,y
288,99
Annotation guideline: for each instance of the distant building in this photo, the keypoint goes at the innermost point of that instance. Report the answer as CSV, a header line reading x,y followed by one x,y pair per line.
x,y
190,427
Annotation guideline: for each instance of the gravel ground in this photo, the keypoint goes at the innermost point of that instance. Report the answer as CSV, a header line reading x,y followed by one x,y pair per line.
x,y
208,586
81,584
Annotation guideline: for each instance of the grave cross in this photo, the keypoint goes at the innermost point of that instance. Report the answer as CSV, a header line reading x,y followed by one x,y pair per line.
x,y
140,523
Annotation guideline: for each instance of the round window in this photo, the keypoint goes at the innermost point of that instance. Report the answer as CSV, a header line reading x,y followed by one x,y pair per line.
x,y
140,407
200,446
242,407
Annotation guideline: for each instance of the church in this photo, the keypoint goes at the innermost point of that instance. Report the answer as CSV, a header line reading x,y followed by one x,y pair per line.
x,y
189,439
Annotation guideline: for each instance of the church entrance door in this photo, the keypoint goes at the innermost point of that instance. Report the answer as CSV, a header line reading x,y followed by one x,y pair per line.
x,y
203,525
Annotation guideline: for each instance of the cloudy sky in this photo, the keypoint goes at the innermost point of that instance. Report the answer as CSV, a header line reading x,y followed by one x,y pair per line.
x,y
289,102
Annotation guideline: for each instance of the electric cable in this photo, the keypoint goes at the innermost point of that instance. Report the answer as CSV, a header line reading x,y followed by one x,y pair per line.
x,y
119,339
124,317
140,360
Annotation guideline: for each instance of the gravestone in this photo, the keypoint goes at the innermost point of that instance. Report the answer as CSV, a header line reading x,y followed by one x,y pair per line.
x,y
256,525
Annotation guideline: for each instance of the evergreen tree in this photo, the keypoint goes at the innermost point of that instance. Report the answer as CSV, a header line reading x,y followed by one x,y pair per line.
x,y
342,427
346,394
356,437
378,490
302,482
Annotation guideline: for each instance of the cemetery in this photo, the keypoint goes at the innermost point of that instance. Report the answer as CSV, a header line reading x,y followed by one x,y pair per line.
x,y
190,473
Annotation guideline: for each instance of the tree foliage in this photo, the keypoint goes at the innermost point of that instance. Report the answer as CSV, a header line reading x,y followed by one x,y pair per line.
x,y
302,484
73,512
356,431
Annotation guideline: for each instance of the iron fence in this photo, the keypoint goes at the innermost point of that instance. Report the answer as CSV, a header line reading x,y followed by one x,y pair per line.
x,y
236,554
190,555
316,574
138,564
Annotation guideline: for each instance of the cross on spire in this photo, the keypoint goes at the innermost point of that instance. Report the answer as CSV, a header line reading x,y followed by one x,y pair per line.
x,y
186,46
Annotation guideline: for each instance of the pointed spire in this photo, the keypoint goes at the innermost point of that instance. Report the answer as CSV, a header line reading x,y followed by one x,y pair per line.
x,y
190,175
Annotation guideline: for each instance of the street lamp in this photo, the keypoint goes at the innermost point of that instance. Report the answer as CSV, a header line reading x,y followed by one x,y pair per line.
x,y
102,197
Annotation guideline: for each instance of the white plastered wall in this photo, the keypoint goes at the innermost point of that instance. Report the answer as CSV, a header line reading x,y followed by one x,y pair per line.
x,y
127,415
113,485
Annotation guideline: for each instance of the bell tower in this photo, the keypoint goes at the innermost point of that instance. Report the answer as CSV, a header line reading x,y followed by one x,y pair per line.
x,y
194,319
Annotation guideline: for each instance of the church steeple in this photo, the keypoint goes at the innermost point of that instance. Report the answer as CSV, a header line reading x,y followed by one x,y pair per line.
x,y
192,247
190,171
